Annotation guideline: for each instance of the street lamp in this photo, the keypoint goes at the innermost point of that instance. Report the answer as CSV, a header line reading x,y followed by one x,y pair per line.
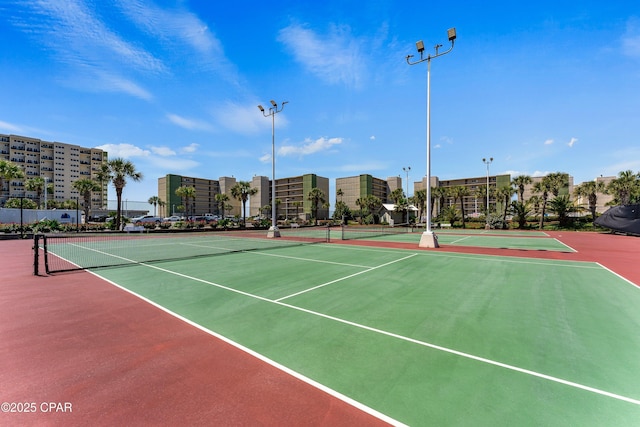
x,y
487,162
429,239
273,110
407,169
46,182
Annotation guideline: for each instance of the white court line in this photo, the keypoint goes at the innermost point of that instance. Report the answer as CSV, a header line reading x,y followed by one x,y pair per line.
x,y
460,240
344,278
565,245
400,337
309,259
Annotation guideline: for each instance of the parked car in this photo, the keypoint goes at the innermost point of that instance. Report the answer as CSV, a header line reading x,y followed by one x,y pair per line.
x,y
173,218
146,218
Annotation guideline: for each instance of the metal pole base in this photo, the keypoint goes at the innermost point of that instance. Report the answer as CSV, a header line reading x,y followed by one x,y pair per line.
x,y
429,240
273,232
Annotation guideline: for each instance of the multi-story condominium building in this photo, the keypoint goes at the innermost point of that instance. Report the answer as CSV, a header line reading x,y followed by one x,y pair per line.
x,y
205,198
474,203
57,163
601,198
360,186
291,196
528,189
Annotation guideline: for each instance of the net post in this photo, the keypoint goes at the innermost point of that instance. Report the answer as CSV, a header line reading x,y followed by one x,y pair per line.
x,y
342,231
36,258
46,253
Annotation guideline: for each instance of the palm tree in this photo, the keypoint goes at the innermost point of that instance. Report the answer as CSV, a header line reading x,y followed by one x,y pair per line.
x,y
459,192
399,201
520,211
372,204
85,187
117,171
480,192
505,193
186,193
558,180
317,198
519,182
561,206
241,191
543,187
9,171
439,193
420,199
36,184
155,201
339,193
624,187
590,190
222,199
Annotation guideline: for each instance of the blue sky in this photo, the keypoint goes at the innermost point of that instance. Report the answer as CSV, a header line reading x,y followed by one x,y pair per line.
x,y
174,85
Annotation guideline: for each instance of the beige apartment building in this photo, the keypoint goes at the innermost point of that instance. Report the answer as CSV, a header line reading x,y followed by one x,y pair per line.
x,y
291,196
58,163
205,200
474,203
360,186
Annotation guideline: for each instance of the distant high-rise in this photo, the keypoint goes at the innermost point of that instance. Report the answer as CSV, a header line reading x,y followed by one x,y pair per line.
x,y
205,198
57,163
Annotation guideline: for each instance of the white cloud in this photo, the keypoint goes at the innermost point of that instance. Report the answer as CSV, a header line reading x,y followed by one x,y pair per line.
x,y
124,150
188,124
447,139
310,147
246,119
537,174
265,159
8,127
191,148
181,28
548,142
572,142
372,137
334,58
74,34
163,151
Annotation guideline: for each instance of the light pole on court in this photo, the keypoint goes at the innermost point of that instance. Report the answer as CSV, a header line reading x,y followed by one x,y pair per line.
x,y
487,162
429,239
273,110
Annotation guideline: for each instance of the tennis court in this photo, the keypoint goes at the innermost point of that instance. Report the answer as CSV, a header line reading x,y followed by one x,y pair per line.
x,y
413,337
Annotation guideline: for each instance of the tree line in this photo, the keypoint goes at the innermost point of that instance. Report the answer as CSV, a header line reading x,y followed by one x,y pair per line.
x,y
624,189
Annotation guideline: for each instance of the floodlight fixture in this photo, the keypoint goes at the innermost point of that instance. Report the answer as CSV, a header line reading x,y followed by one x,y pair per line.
x,y
420,46
261,108
274,103
451,33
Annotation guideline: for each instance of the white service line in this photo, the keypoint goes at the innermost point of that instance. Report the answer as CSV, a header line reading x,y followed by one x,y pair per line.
x,y
344,278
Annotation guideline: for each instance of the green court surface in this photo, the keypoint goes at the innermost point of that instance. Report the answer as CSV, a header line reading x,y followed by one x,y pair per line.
x,y
425,338
507,239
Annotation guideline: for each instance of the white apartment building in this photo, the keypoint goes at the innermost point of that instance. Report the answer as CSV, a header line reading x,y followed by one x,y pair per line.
x,y
58,163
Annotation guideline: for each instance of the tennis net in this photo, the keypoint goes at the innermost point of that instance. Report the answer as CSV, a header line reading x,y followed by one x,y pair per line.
x,y
369,232
68,252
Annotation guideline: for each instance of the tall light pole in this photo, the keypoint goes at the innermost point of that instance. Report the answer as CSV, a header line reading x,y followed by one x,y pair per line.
x,y
273,110
487,162
429,239
407,169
